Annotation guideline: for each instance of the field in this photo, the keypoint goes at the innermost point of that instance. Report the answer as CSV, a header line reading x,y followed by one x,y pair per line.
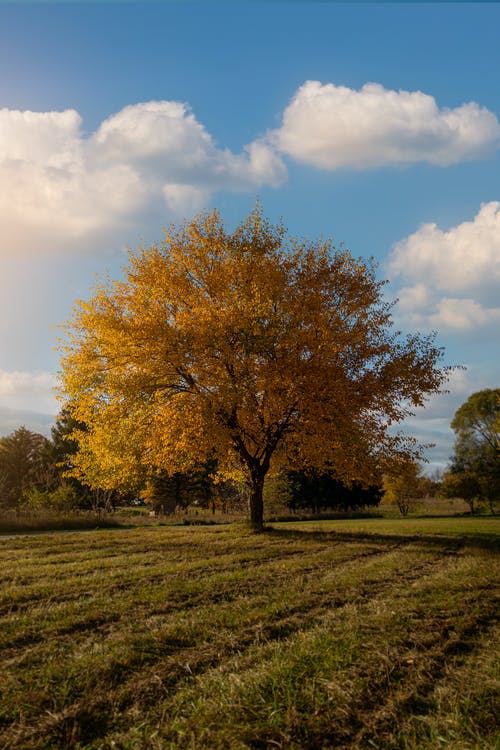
x,y
340,634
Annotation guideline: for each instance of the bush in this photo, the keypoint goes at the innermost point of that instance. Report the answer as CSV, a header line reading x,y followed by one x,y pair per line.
x,y
62,499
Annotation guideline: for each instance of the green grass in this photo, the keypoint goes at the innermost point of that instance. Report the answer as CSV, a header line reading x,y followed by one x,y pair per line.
x,y
464,526
341,634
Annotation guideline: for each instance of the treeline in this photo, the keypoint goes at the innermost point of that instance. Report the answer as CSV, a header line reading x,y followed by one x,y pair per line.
x,y
322,492
35,475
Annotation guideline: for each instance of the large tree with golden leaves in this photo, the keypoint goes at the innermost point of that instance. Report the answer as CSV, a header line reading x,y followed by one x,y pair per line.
x,y
252,347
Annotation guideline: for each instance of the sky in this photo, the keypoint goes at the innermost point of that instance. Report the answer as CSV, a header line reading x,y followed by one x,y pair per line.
x,y
376,124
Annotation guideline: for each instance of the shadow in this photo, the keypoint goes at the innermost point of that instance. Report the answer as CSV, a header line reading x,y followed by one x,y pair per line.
x,y
454,542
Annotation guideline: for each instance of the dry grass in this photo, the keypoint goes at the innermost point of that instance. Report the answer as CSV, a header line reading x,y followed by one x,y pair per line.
x,y
343,634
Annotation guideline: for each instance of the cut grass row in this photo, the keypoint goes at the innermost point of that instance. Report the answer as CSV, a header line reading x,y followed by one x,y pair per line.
x,y
337,635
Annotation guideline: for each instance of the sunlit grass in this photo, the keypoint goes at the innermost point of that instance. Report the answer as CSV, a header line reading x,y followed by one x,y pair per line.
x,y
457,526
342,634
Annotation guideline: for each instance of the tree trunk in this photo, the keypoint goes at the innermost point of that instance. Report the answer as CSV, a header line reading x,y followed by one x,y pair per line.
x,y
257,500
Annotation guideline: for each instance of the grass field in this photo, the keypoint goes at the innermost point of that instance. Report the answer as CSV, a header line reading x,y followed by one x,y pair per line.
x,y
339,634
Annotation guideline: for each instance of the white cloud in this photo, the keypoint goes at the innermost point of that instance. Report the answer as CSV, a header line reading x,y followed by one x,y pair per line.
x,y
412,298
27,398
53,192
454,275
64,190
158,130
46,138
461,383
463,314
431,423
331,126
28,391
179,197
464,257
60,189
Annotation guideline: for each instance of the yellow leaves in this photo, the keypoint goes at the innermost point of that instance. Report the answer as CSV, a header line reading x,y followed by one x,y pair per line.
x,y
402,480
249,345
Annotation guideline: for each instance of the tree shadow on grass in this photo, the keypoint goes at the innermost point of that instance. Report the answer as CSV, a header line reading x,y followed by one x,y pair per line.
x,y
448,542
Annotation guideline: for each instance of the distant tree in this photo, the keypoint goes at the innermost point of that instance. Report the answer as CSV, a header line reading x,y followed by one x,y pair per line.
x,y
199,487
24,462
464,484
231,495
61,499
324,492
475,466
496,424
476,422
62,450
405,485
250,346
432,483
202,485
166,493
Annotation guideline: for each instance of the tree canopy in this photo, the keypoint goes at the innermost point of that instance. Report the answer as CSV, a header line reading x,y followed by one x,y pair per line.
x,y
405,484
475,469
476,423
251,347
24,461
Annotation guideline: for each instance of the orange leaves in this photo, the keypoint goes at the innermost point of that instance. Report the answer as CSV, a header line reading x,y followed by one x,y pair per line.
x,y
250,345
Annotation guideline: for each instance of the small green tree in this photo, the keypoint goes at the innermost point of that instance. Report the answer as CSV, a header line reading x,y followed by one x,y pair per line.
x,y
63,448
62,499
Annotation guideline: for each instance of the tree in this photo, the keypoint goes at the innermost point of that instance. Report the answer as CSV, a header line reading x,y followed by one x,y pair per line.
x,y
404,485
24,463
476,462
167,493
62,499
476,424
251,347
464,484
62,449
323,492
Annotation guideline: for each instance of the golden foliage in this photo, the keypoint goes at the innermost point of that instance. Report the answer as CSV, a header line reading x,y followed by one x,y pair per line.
x,y
250,345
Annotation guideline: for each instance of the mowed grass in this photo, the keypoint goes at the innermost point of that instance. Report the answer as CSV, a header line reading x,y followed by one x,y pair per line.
x,y
339,634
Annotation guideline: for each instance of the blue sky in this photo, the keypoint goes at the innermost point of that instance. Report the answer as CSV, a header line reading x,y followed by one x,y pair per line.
x,y
374,123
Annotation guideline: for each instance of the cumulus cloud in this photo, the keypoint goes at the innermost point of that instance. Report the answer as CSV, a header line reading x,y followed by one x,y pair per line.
x,y
63,189
331,127
466,256
60,187
163,141
454,274
54,192
463,314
